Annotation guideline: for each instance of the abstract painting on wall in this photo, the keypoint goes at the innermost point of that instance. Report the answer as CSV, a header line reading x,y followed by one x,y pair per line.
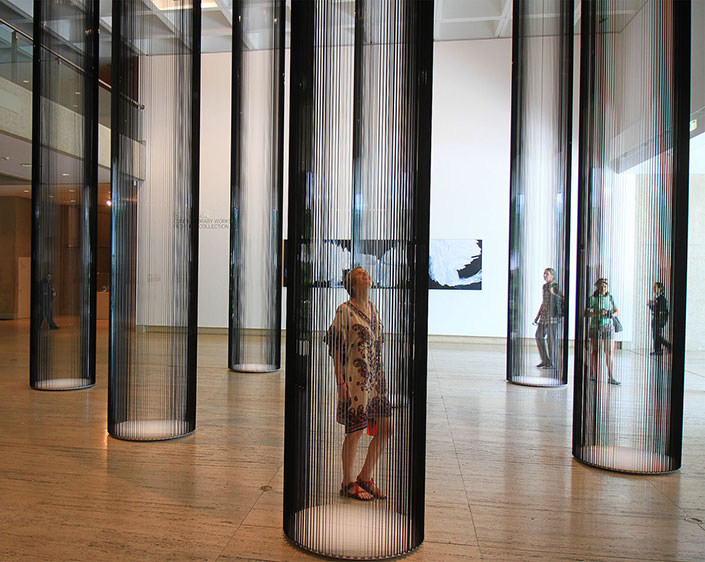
x,y
455,264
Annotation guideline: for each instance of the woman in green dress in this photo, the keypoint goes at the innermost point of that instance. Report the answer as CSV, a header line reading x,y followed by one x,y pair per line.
x,y
601,310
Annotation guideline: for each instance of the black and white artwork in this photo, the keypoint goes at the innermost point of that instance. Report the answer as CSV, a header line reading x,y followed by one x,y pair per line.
x,y
455,264
385,260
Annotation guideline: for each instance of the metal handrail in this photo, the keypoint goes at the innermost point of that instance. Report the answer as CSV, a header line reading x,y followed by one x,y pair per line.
x,y
27,36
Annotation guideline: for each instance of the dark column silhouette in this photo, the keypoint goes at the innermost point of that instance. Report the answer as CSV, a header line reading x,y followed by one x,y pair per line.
x,y
155,167
256,186
358,215
64,195
539,233
632,235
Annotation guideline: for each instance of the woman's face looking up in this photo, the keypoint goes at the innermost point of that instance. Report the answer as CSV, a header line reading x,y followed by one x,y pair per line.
x,y
361,279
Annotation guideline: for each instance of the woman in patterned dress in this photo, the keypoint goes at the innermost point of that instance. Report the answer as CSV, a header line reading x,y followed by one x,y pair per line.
x,y
355,343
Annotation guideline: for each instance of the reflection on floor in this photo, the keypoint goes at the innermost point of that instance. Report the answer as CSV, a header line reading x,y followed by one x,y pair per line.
x,y
501,482
354,529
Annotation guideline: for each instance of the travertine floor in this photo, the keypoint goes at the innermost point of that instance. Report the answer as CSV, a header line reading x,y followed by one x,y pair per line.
x,y
501,483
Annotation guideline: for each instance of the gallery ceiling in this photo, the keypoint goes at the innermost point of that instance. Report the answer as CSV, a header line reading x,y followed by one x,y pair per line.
x,y
454,20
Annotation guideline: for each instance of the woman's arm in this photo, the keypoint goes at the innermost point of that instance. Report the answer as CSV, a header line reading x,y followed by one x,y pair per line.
x,y
339,368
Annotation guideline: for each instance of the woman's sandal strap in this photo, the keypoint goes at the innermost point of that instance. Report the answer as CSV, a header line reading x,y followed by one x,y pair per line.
x,y
356,494
370,487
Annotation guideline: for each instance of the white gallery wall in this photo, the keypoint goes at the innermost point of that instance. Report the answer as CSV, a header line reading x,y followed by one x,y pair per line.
x,y
470,177
469,181
214,234
469,188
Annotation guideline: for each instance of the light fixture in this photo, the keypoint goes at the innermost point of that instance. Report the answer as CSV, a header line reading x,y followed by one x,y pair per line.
x,y
26,190
65,174
72,201
179,4
5,157
26,164
25,81
109,203
72,191
77,93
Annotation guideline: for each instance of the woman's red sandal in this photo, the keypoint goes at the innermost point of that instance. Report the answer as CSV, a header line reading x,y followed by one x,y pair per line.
x,y
345,491
370,487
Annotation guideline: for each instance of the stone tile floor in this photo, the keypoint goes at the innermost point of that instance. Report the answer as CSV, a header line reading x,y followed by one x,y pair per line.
x,y
501,482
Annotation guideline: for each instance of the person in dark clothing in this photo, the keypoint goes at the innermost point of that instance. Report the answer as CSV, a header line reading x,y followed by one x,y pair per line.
x,y
47,293
547,319
659,317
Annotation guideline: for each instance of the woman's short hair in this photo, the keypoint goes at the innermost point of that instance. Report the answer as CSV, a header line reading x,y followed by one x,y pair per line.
x,y
551,271
348,281
659,285
601,281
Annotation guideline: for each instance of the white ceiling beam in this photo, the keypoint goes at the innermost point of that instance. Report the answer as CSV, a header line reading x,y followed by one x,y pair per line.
x,y
154,9
506,14
225,10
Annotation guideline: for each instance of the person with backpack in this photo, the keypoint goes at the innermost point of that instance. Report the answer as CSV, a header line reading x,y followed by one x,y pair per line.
x,y
547,319
659,317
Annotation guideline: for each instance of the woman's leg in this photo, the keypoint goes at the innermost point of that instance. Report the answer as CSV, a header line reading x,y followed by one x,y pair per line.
x,y
594,349
379,441
540,343
608,345
551,329
349,450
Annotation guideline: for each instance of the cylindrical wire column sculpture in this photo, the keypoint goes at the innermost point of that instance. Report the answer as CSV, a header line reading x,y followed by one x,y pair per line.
x,y
256,186
539,228
64,193
358,226
633,212
155,155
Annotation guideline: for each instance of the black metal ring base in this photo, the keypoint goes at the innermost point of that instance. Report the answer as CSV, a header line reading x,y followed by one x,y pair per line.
x,y
55,385
624,452
536,381
329,554
252,368
164,437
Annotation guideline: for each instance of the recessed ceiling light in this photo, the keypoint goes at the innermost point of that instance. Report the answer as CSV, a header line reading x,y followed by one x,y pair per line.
x,y
109,203
77,93
66,174
5,157
72,201
26,164
165,5
25,81
72,191
26,190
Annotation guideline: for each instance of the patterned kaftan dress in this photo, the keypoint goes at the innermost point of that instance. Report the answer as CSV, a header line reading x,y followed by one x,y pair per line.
x,y
357,341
